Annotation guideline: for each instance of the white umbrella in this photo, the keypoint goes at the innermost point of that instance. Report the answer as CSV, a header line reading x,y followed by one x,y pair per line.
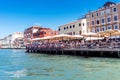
x,y
77,36
43,38
93,38
61,36
35,39
46,38
90,34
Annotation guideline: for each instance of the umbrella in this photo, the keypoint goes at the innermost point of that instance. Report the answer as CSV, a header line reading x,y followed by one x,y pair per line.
x,y
108,32
46,38
61,37
90,34
77,36
35,39
116,33
43,38
93,38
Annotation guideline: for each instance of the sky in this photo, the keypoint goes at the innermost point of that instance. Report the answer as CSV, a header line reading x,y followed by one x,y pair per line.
x,y
18,15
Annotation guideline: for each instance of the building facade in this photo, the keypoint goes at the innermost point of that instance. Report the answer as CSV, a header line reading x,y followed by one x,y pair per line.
x,y
37,32
28,34
74,28
2,42
106,17
43,32
19,42
9,41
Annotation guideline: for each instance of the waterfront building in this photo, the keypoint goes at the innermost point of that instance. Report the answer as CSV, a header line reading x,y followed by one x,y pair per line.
x,y
74,28
2,42
105,18
28,34
15,36
37,32
19,42
9,41
44,32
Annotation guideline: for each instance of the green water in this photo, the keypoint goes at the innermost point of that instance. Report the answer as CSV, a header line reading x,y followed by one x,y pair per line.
x,y
18,65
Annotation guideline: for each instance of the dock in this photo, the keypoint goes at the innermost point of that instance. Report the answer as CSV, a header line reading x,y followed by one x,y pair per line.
x,y
85,52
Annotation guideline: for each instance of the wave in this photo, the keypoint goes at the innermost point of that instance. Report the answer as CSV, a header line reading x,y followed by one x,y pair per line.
x,y
18,73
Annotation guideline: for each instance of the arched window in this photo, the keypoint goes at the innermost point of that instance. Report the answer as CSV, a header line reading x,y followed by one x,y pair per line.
x,y
98,22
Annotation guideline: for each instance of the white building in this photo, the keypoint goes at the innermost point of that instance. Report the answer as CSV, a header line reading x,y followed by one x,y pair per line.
x,y
10,40
74,28
16,35
2,42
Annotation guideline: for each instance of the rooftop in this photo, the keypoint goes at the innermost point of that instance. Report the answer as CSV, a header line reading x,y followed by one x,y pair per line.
x,y
108,3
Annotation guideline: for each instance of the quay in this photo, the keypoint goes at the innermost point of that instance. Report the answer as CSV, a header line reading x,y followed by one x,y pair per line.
x,y
86,52
14,48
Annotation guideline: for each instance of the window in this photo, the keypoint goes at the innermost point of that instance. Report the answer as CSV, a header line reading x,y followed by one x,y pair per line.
x,y
80,32
96,14
115,18
59,29
83,24
115,27
103,20
70,33
92,15
97,21
73,26
109,27
108,19
73,33
64,28
70,26
92,22
103,29
114,9
67,27
44,32
79,24
97,30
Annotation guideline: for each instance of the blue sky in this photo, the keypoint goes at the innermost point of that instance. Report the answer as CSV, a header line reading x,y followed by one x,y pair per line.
x,y
17,15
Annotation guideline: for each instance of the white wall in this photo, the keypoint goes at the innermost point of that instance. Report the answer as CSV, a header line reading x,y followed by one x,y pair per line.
x,y
77,28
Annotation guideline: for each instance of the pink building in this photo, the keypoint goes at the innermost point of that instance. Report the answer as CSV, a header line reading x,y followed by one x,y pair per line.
x,y
106,17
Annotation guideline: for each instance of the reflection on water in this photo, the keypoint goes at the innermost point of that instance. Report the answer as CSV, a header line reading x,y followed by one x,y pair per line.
x,y
18,73
18,65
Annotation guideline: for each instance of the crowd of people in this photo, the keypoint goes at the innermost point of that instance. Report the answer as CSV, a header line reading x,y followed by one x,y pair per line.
x,y
75,44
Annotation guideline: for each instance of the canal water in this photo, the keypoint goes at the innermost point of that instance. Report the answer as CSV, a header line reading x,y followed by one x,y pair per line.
x,y
18,65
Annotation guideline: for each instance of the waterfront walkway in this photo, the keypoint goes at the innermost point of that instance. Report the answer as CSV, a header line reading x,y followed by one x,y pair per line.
x,y
95,49
97,52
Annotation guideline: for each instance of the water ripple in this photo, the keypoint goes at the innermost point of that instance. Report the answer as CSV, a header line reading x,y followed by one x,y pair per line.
x,y
18,65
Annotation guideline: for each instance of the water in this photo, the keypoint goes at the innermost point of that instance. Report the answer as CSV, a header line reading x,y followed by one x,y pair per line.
x,y
18,65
